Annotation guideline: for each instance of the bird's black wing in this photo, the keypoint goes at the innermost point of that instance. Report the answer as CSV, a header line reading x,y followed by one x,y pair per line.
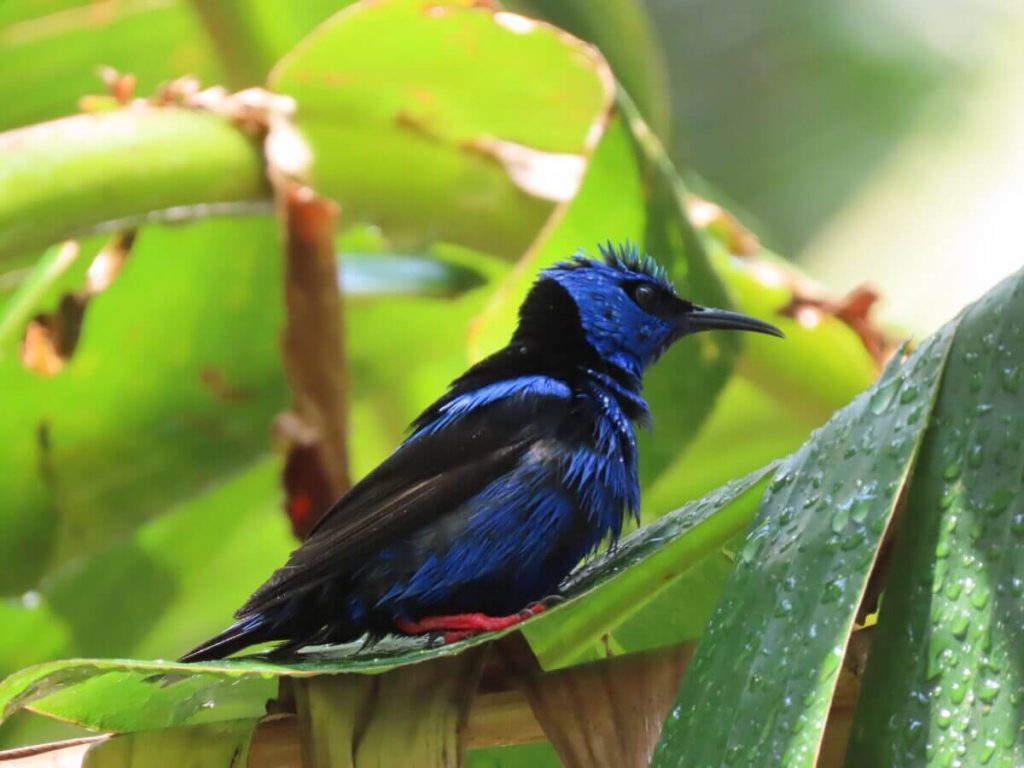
x,y
428,475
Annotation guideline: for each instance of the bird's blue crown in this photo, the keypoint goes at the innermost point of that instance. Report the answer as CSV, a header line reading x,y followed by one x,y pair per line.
x,y
624,305
624,257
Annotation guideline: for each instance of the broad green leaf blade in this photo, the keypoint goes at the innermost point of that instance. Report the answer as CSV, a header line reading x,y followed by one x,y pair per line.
x,y
767,665
150,594
216,744
175,582
126,695
49,52
821,367
746,429
622,31
945,679
459,123
248,38
173,384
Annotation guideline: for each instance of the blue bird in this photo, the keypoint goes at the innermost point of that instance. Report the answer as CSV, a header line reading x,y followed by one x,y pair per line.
x,y
522,469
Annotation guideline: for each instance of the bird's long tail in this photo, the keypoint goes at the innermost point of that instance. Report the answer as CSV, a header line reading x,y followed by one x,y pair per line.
x,y
243,633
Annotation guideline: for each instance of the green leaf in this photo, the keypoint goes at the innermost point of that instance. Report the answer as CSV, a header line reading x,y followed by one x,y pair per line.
x,y
635,575
217,744
173,384
820,368
249,37
746,429
51,270
622,31
231,536
51,50
948,652
770,656
125,695
459,123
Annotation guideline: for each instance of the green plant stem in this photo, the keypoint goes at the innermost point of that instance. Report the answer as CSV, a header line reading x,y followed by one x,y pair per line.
x,y
110,170
234,29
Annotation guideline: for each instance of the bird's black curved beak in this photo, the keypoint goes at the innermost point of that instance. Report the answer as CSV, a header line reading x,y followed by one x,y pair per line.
x,y
698,318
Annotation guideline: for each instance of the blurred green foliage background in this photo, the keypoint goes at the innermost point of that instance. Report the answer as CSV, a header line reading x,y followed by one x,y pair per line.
x,y
878,142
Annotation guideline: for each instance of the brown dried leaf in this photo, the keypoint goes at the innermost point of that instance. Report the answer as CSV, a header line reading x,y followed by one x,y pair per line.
x,y
854,310
545,175
108,263
39,348
120,85
51,337
316,471
602,714
308,490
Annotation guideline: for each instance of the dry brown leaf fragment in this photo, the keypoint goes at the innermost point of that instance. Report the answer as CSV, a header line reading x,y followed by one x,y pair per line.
x,y
854,310
552,176
308,490
51,337
120,85
316,468
308,493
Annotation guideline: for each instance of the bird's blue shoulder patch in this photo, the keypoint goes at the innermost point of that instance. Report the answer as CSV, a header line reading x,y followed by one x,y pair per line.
x,y
520,387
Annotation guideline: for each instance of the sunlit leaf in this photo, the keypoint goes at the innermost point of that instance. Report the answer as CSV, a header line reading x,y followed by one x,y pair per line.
x,y
431,132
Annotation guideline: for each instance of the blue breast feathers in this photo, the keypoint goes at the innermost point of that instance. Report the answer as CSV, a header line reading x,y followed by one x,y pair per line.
x,y
515,540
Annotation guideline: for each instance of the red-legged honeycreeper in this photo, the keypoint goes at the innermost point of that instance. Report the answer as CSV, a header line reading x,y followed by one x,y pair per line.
x,y
522,468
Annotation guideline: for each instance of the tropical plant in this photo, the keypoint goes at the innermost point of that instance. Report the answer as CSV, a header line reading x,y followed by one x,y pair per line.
x,y
466,148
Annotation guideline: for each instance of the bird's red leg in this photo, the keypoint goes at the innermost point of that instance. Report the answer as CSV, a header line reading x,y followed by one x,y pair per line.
x,y
462,625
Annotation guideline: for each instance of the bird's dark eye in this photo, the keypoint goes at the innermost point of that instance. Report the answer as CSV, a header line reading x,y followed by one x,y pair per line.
x,y
645,296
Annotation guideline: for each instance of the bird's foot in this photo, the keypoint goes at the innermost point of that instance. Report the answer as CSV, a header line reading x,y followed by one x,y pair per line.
x,y
459,626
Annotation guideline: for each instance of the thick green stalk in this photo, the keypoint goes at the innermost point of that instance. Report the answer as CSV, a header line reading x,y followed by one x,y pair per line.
x,y
109,170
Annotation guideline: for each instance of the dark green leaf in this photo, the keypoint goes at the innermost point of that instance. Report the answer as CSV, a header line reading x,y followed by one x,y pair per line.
x,y
945,679
770,657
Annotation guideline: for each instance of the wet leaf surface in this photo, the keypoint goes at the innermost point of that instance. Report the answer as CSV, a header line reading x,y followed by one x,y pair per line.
x,y
945,679
771,654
